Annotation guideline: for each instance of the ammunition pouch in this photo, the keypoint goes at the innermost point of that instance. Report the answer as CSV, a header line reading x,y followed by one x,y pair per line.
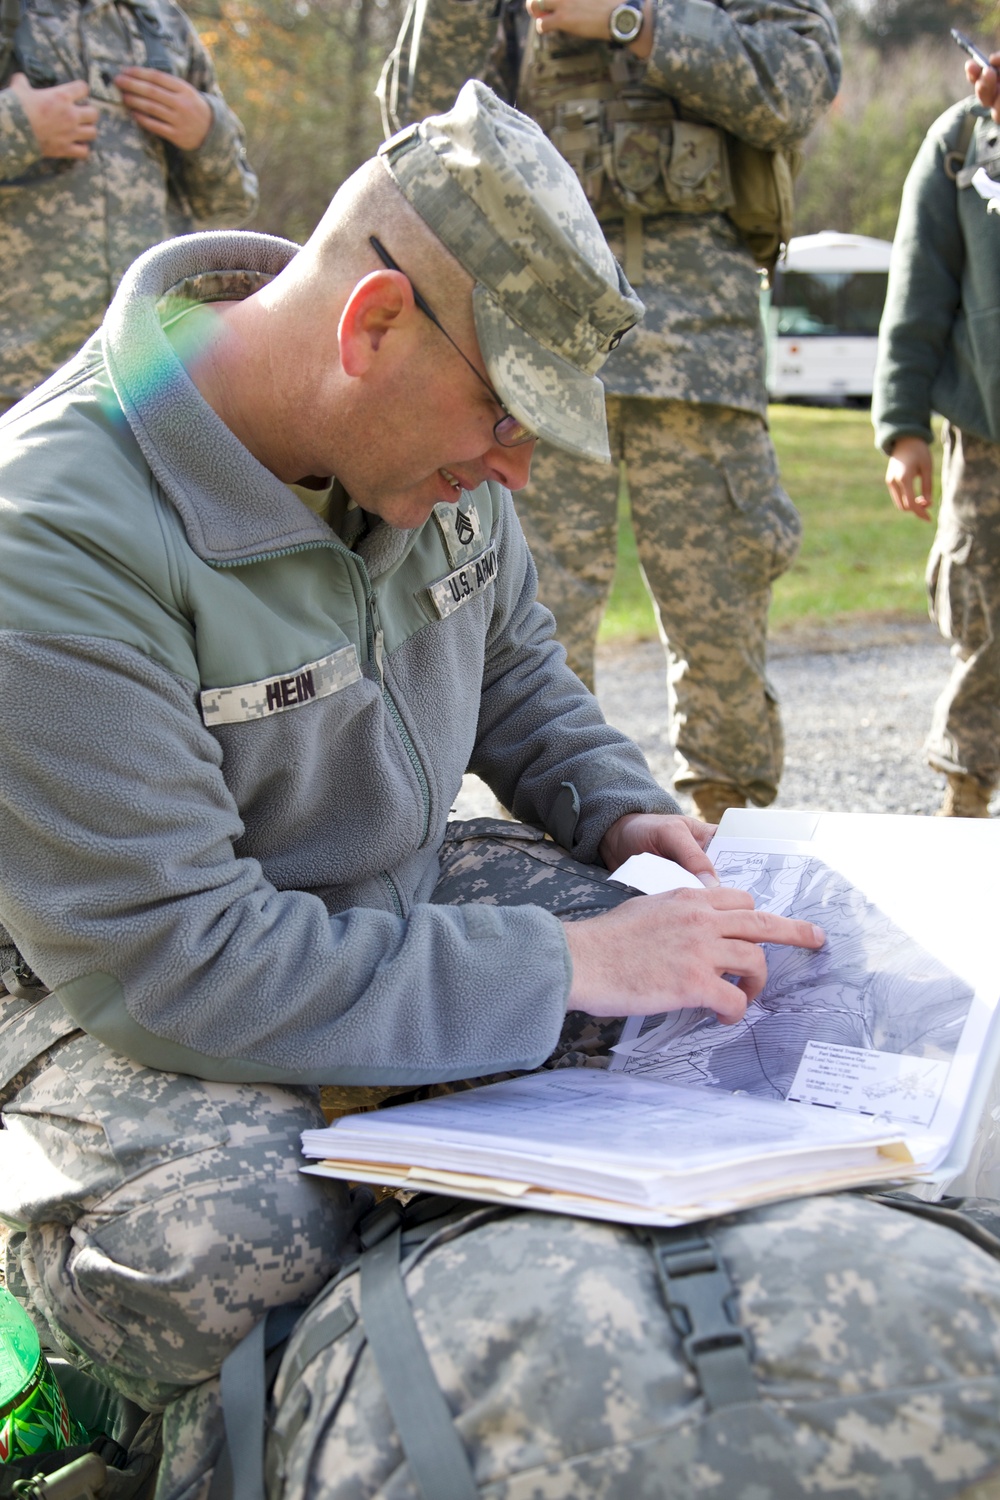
x,y
631,154
763,187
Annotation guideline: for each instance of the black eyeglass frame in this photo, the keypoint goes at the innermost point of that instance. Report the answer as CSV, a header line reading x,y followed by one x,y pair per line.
x,y
524,435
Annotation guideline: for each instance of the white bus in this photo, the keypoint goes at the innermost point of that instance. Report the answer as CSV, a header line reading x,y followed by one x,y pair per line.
x,y
822,315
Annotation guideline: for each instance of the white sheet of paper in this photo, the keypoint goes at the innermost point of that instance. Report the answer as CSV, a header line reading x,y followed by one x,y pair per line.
x,y
653,874
872,1083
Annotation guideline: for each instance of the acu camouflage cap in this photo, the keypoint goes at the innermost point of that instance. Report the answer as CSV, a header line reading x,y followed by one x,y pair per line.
x,y
550,300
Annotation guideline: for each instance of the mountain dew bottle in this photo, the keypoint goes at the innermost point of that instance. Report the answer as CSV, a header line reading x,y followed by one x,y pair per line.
x,y
34,1417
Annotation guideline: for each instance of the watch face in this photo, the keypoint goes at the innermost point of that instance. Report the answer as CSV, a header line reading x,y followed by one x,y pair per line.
x,y
625,23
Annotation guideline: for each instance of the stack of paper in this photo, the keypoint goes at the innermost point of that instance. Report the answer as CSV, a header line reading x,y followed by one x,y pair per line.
x,y
604,1145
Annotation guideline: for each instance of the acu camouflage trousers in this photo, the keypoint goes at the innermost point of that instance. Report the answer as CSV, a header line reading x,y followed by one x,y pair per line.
x,y
714,530
155,1217
963,583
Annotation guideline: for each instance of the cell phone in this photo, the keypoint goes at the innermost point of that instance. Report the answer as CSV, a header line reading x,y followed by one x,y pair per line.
x,y
971,48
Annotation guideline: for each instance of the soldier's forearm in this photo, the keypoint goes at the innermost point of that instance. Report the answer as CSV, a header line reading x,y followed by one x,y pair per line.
x,y
764,78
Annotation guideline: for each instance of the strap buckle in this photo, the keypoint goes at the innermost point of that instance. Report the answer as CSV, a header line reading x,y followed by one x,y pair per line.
x,y
700,1299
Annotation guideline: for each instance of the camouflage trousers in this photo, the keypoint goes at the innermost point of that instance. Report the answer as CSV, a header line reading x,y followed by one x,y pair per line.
x,y
963,583
155,1217
498,863
714,529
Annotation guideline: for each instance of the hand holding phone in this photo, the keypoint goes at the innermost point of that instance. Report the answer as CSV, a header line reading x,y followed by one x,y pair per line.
x,y
974,52
982,74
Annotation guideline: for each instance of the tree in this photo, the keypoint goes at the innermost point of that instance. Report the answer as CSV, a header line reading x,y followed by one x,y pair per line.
x,y
896,23
859,154
899,23
301,75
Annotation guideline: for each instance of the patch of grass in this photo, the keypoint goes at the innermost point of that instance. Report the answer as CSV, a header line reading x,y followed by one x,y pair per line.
x,y
859,555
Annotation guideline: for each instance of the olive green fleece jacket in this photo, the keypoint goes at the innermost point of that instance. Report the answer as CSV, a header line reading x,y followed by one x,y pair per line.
x,y
939,340
231,734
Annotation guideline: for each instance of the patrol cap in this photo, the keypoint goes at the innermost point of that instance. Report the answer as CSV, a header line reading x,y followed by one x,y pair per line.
x,y
550,300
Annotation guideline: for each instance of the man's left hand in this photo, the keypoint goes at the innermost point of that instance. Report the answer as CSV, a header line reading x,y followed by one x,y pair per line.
x,y
673,836
166,106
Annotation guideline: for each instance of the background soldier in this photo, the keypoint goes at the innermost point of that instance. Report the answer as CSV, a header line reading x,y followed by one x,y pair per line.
x,y
938,351
657,129
113,135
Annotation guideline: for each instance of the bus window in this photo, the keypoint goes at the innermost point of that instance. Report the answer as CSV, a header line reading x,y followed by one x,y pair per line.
x,y
828,303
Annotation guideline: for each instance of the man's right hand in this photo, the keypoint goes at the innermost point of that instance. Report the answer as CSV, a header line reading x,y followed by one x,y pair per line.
x,y
662,953
986,82
909,466
63,120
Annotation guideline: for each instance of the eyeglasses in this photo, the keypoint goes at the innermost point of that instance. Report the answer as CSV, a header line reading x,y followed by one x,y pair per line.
x,y
509,432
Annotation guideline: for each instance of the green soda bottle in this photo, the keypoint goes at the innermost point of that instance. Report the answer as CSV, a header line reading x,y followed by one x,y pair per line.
x,y
34,1417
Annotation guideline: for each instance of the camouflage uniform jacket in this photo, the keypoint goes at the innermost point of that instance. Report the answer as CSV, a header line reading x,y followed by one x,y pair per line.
x,y
938,348
762,70
251,726
71,228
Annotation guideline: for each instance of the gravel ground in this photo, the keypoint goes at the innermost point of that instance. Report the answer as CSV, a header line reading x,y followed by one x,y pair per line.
x,y
856,701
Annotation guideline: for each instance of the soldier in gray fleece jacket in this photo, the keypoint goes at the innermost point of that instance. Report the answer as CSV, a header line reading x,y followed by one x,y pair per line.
x,y
238,700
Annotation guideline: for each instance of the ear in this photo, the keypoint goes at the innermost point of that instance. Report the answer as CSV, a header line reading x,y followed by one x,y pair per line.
x,y
380,304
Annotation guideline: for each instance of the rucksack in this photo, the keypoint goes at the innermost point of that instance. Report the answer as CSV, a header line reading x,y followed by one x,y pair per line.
x,y
837,1346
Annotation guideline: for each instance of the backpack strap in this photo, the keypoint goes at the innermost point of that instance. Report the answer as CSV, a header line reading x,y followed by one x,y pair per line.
x,y
438,1461
11,12
10,19
151,32
976,1219
50,1023
700,1298
955,160
18,55
239,1470
249,1370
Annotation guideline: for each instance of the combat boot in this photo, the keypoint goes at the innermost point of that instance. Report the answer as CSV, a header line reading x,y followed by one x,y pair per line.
x,y
965,797
712,798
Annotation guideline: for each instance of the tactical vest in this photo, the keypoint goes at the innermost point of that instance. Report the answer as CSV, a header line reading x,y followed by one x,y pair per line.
x,y
637,153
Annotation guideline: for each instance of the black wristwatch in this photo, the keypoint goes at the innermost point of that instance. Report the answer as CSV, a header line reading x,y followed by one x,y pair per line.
x,y
625,22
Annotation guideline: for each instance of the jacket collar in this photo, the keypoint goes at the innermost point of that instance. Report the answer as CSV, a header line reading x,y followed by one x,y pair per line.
x,y
232,508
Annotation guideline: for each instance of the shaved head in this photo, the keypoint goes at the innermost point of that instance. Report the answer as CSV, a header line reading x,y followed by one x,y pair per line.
x,y
333,368
338,252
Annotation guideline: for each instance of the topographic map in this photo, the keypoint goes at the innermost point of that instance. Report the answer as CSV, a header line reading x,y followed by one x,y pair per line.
x,y
869,1023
